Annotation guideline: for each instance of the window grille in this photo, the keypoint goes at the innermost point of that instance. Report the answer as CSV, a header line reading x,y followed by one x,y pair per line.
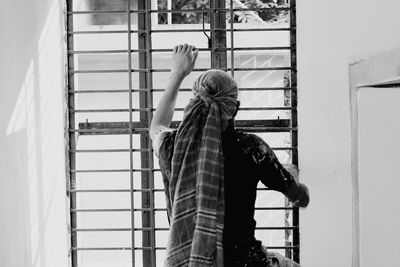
x,y
118,59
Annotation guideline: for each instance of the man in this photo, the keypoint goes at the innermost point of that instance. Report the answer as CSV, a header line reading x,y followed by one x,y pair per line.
x,y
211,171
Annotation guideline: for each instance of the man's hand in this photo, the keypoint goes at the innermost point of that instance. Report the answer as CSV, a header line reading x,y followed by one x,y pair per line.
x,y
299,195
183,59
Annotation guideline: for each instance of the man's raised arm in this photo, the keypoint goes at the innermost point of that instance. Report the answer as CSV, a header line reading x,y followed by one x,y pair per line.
x,y
183,59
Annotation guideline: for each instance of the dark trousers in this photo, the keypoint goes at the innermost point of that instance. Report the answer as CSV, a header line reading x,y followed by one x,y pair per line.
x,y
246,253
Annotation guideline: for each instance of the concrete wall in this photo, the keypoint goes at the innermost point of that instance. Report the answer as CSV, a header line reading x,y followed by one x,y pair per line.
x,y
33,222
331,34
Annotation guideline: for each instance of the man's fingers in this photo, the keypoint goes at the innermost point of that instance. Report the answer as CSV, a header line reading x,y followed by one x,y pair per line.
x,y
179,48
195,54
189,49
184,48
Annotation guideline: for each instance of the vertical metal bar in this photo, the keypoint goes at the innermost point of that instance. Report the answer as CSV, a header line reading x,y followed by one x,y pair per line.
x,y
72,140
132,196
212,30
218,37
143,45
232,40
288,233
294,133
150,180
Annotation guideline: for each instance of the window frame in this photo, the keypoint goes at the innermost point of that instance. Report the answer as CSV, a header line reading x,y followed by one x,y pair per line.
x,y
219,53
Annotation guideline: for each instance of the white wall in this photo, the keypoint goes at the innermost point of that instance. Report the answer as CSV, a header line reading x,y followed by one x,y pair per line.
x,y
378,127
33,222
331,34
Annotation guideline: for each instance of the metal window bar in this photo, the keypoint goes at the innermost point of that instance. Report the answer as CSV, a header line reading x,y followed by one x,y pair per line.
x,y
71,141
294,135
131,183
218,11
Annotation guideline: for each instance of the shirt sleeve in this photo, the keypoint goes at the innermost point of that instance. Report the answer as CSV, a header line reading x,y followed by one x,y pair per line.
x,y
159,138
267,166
276,177
165,148
163,145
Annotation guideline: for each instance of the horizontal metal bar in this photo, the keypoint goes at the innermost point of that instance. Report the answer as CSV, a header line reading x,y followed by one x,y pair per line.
x,y
97,12
179,30
176,109
100,191
274,208
165,50
261,48
122,12
168,70
110,91
116,210
205,10
136,31
98,32
126,70
278,125
266,129
252,9
145,130
103,71
180,90
135,190
104,248
268,29
116,229
267,88
110,150
228,29
160,248
117,248
164,209
284,247
100,51
170,30
114,190
112,170
175,124
259,69
269,228
100,229
107,110
277,228
99,210
107,131
266,108
141,150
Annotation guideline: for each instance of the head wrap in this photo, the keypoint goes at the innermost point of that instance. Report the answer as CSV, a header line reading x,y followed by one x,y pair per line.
x,y
219,88
196,187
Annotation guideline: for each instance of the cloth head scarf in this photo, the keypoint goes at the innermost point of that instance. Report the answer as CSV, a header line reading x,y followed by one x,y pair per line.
x,y
196,186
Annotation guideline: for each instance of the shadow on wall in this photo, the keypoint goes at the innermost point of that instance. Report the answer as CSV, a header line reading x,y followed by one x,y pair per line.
x,y
32,186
